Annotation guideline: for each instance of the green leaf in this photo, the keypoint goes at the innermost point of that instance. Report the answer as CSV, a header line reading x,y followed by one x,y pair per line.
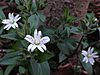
x,y
45,68
2,16
75,30
10,61
21,33
10,58
11,36
9,69
17,2
21,70
34,21
40,68
1,30
61,57
41,16
67,46
1,72
87,66
44,56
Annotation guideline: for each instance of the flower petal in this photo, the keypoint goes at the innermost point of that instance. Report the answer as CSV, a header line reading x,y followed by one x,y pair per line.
x,y
17,19
6,21
91,61
35,34
84,59
33,48
84,53
29,39
39,33
44,40
95,56
30,47
39,47
92,49
13,26
7,27
44,47
11,16
16,25
89,50
16,16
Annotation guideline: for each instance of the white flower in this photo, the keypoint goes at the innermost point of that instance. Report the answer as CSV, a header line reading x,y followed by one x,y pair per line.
x,y
37,42
11,22
89,55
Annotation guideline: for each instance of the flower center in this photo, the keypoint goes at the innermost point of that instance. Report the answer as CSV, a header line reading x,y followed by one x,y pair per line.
x,y
37,42
12,22
89,55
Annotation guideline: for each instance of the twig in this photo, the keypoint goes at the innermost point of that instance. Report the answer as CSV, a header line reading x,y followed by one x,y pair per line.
x,y
75,51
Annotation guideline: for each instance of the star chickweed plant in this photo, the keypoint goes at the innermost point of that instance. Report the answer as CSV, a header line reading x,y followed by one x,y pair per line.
x,y
89,55
11,21
37,41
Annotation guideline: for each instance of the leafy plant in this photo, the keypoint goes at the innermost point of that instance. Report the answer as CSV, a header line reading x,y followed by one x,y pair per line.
x,y
66,41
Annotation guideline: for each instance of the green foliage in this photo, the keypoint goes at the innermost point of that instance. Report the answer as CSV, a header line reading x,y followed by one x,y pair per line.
x,y
67,17
87,66
1,72
22,70
2,15
62,38
67,46
9,69
11,36
39,68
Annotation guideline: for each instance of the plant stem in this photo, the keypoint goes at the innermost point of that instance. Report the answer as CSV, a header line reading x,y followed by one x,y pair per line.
x,y
75,51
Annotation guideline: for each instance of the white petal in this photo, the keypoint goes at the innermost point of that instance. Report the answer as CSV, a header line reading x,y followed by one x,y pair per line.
x,y
16,25
16,16
13,26
84,59
30,47
95,56
8,27
45,39
11,16
87,60
84,53
29,39
91,60
44,47
94,53
89,50
92,49
39,33
33,48
17,19
35,34
39,47
5,21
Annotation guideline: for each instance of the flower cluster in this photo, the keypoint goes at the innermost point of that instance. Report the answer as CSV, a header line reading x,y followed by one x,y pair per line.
x,y
37,42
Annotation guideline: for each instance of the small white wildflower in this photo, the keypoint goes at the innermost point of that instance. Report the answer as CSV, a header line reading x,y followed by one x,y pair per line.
x,y
37,42
89,55
11,21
